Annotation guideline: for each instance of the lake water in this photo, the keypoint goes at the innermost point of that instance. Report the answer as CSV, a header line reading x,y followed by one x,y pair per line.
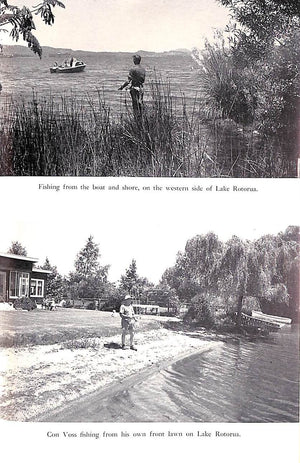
x,y
225,143
21,76
238,381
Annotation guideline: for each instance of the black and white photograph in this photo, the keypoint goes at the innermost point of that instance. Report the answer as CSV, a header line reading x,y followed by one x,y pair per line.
x,y
149,232
139,88
155,312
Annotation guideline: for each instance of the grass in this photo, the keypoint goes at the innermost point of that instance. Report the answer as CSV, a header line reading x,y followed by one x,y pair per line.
x,y
68,137
84,343
76,328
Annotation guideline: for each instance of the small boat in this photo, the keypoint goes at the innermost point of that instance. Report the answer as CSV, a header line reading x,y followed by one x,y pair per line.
x,y
78,67
271,318
266,324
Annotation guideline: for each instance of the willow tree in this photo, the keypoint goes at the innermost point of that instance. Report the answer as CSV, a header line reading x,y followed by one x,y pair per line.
x,y
281,265
267,269
194,268
20,21
231,275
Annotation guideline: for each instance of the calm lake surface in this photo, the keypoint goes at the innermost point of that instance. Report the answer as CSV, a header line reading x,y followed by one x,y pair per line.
x,y
224,142
238,381
105,72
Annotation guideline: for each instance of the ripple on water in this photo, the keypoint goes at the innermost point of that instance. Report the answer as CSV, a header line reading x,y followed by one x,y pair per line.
x,y
239,382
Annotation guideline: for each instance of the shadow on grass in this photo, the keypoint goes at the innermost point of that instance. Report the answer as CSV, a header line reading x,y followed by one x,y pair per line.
x,y
112,345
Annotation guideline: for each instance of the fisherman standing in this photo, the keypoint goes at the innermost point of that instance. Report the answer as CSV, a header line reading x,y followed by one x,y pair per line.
x,y
136,79
128,320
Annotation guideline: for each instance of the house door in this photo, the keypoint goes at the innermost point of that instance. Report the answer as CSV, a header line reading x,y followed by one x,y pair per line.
x,y
2,286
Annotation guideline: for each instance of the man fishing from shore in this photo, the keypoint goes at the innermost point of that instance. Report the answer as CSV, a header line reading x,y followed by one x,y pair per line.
x,y
136,79
128,320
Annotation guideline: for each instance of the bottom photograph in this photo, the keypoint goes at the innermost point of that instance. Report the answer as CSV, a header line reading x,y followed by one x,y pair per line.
x,y
149,321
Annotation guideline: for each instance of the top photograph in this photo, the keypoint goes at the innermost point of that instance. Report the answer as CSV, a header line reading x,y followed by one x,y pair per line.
x,y
139,88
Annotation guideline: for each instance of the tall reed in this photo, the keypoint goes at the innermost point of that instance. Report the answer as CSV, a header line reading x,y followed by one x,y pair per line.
x,y
47,136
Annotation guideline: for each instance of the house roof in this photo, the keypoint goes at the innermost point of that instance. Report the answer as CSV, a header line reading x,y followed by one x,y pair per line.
x,y
40,270
17,257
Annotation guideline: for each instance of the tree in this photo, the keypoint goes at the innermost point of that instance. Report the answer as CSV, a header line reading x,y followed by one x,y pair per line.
x,y
193,269
20,20
54,282
231,276
113,297
262,23
224,274
17,249
89,278
251,73
132,283
163,295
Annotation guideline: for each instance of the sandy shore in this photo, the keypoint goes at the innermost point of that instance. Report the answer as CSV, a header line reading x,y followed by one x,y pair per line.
x,y
36,380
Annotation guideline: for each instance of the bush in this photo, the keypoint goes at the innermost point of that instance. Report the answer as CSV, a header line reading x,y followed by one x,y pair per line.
x,y
24,303
227,88
68,304
201,312
91,305
211,311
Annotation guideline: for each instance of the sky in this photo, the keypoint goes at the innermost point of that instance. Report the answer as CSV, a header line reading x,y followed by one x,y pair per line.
x,y
131,25
150,226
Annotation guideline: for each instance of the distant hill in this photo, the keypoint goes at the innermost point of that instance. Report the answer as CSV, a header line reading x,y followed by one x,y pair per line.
x,y
15,50
23,51
20,50
179,51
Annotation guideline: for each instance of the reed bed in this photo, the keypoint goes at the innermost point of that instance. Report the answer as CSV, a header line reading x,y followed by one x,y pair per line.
x,y
50,136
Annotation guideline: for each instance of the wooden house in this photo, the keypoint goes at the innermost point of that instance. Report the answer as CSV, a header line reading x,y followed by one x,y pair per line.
x,y
19,277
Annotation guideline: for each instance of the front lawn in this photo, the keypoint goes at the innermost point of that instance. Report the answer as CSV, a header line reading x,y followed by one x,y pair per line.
x,y
39,327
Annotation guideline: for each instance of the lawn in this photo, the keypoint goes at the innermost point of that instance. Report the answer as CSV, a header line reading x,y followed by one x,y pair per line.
x,y
40,327
51,359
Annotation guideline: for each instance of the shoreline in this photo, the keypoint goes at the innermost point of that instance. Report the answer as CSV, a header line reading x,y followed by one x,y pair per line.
x,y
38,381
70,409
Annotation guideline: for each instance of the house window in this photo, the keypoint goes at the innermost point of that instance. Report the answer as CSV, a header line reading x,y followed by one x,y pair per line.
x,y
36,287
19,284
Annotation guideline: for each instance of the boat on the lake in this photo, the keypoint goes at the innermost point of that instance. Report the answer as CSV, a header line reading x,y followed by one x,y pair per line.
x,y
271,318
264,322
68,67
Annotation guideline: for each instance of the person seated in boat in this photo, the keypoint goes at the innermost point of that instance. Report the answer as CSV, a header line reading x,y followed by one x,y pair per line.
x,y
136,79
55,65
73,62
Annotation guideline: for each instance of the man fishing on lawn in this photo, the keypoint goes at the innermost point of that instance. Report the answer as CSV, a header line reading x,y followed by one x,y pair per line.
x,y
128,321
